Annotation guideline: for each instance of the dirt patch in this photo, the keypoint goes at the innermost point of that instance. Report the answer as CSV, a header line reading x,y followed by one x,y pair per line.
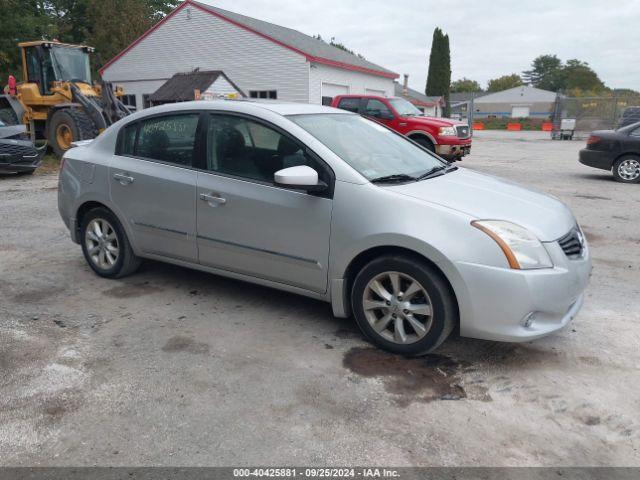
x,y
185,344
425,379
37,295
131,290
592,237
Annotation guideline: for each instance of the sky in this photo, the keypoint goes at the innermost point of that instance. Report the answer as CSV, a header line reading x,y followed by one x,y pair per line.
x,y
488,38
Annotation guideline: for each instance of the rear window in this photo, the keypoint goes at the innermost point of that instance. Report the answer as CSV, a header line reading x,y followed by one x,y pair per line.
x,y
169,138
349,104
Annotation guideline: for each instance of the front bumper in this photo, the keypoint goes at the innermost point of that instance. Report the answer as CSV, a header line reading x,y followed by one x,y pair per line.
x,y
20,162
522,305
596,159
456,151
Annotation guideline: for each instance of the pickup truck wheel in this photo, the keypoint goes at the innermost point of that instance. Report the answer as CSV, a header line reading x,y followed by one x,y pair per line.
x,y
425,142
105,245
403,305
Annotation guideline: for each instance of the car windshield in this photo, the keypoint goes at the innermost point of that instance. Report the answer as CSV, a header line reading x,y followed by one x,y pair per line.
x,y
373,150
404,108
71,64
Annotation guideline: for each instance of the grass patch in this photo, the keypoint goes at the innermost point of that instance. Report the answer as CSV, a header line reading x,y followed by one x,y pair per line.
x,y
50,164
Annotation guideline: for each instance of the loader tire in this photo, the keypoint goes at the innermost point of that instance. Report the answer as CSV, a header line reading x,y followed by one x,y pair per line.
x,y
69,125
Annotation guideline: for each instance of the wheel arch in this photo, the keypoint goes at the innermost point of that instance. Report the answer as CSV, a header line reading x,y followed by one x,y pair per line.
x,y
89,204
626,154
364,257
421,133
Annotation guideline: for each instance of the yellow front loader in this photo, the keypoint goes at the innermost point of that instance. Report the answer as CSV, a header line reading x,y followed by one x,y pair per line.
x,y
59,101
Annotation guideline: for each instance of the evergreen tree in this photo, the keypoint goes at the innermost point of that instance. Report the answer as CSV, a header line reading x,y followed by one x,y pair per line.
x,y
439,78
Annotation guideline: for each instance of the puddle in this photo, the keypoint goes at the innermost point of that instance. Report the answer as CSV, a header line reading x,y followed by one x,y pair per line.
x,y
185,344
425,379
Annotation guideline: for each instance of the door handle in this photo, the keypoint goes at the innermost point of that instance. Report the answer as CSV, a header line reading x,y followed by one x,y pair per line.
x,y
123,178
213,199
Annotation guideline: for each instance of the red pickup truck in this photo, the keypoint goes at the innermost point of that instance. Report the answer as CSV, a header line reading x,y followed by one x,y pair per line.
x,y
448,138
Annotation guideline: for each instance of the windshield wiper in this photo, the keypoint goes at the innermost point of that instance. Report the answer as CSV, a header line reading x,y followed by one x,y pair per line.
x,y
395,178
434,172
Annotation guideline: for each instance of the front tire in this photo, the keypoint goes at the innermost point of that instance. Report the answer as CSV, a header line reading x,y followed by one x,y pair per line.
x,y
69,125
426,143
627,169
105,245
403,305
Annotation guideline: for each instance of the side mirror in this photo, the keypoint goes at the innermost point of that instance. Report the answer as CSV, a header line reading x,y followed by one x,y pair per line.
x,y
301,177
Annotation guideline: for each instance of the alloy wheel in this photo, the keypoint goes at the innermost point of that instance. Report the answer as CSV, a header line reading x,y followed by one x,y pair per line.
x,y
398,307
101,242
629,169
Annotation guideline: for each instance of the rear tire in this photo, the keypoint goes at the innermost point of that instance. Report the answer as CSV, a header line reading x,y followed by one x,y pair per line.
x,y
69,125
105,245
403,305
627,169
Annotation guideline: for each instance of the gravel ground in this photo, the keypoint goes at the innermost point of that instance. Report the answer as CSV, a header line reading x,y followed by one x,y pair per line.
x,y
180,368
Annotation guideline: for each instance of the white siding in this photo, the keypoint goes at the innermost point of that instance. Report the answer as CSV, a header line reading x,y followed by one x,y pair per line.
x,y
221,87
193,38
357,82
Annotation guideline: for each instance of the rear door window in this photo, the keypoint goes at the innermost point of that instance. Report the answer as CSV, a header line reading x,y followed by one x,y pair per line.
x,y
350,104
169,138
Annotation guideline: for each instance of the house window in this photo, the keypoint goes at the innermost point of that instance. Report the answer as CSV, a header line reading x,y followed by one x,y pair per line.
x,y
129,101
326,101
270,94
146,102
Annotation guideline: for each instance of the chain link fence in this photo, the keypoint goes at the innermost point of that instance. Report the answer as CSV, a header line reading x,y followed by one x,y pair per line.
x,y
595,113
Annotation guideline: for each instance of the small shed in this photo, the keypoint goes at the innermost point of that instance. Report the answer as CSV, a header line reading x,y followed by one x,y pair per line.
x,y
196,85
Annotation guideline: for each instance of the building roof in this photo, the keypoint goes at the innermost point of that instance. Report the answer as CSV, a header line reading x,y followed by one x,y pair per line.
x,y
181,87
461,97
417,97
313,49
525,93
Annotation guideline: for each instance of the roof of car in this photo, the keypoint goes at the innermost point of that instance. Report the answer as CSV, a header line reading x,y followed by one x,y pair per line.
x,y
243,106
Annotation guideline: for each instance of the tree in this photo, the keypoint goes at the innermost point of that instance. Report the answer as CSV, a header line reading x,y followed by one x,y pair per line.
x,y
579,77
117,23
439,78
545,73
504,83
20,20
465,85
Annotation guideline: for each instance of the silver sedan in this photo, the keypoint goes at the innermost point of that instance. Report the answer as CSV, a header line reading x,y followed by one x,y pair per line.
x,y
330,205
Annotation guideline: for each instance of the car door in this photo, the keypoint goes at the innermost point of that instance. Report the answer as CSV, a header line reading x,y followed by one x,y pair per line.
x,y
153,184
247,224
378,111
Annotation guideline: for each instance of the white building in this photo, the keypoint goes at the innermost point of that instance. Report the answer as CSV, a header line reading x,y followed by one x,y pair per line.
x,y
262,59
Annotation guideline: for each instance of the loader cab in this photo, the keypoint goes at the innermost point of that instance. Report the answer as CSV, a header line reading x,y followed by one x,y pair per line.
x,y
48,62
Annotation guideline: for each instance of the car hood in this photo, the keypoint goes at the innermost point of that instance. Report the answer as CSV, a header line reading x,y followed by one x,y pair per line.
x,y
11,131
485,197
433,121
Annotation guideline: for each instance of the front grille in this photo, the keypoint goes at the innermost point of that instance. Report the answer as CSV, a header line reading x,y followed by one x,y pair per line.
x,y
8,149
572,243
463,131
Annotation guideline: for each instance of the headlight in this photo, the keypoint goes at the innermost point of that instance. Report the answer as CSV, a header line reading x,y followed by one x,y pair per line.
x,y
521,247
448,131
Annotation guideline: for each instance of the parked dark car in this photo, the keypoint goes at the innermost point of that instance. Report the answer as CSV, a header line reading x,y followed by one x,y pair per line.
x,y
18,154
615,150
